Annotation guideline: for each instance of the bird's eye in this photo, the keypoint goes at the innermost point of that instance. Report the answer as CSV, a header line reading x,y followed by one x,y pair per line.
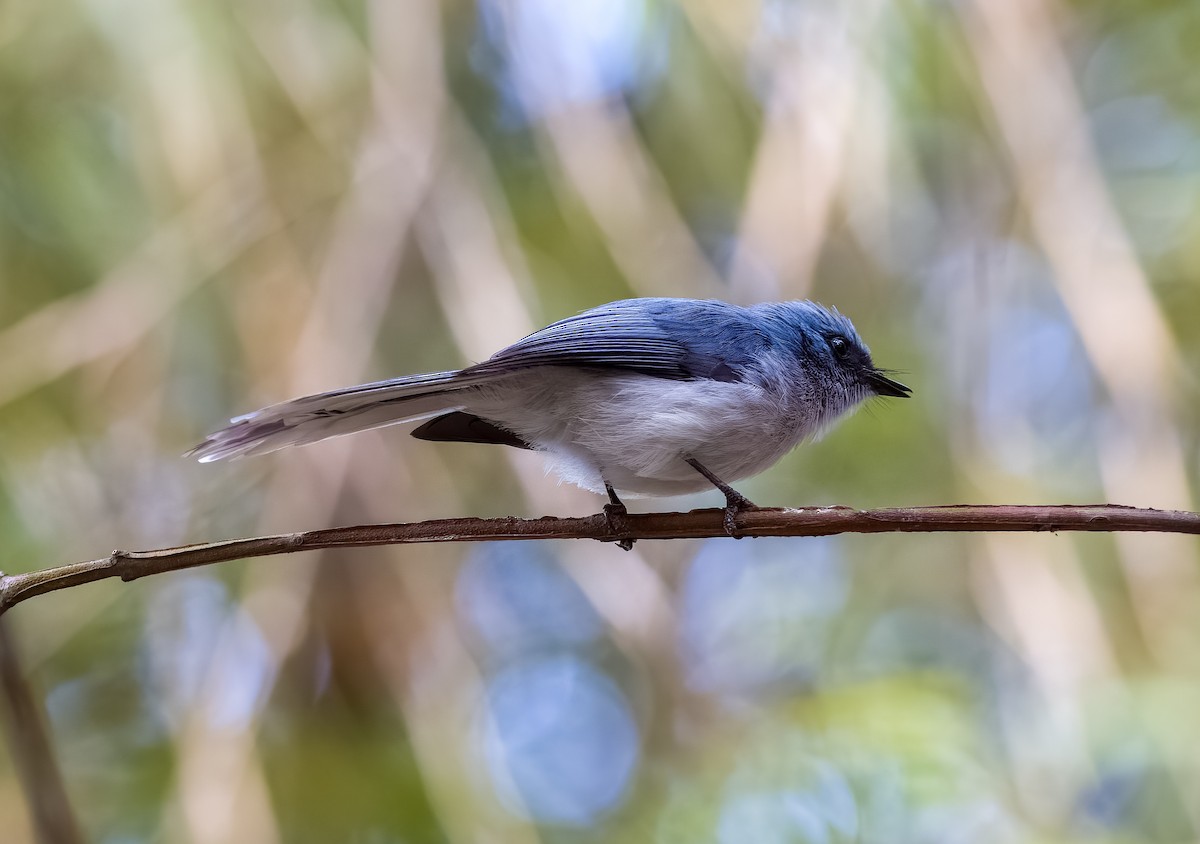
x,y
840,346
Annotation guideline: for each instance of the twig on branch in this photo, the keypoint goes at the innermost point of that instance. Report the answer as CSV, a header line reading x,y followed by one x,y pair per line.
x,y
696,524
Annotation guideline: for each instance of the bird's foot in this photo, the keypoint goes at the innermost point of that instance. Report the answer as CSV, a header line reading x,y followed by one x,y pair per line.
x,y
735,503
614,516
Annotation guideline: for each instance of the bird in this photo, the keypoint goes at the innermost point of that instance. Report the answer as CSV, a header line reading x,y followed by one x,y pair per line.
x,y
637,397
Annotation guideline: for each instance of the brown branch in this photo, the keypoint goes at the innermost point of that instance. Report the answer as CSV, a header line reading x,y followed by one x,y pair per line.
x,y
696,524
32,752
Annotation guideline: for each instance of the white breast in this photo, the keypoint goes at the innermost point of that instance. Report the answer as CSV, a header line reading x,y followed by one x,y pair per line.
x,y
634,430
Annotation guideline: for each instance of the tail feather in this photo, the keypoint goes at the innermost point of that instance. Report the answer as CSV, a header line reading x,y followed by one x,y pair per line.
x,y
312,418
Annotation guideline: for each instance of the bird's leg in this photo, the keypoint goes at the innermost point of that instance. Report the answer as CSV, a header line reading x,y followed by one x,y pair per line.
x,y
614,514
735,502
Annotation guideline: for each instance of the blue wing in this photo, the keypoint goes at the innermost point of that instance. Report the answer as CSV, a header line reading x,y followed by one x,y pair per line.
x,y
668,338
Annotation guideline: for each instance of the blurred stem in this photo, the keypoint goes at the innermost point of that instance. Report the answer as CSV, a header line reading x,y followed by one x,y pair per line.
x,y
696,524
33,755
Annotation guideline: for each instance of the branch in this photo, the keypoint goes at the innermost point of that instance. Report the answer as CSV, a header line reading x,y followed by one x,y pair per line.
x,y
51,816
696,524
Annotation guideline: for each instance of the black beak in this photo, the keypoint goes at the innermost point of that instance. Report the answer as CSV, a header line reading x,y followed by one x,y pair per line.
x,y
884,386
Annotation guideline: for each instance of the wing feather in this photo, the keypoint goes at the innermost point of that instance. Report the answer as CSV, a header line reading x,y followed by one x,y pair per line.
x,y
668,338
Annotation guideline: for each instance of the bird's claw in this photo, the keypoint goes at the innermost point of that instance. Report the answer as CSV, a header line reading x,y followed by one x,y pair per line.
x,y
735,504
614,515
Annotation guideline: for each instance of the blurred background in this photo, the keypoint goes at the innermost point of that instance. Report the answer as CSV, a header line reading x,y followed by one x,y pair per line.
x,y
210,206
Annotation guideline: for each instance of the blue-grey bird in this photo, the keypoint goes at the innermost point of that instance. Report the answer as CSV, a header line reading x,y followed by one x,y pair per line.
x,y
641,396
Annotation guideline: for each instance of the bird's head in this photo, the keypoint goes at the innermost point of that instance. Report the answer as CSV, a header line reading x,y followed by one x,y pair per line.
x,y
831,354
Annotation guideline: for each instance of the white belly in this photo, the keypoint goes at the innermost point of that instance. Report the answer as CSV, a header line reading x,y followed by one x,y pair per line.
x,y
634,431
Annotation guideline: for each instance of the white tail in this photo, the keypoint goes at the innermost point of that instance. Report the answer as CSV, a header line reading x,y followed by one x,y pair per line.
x,y
312,418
